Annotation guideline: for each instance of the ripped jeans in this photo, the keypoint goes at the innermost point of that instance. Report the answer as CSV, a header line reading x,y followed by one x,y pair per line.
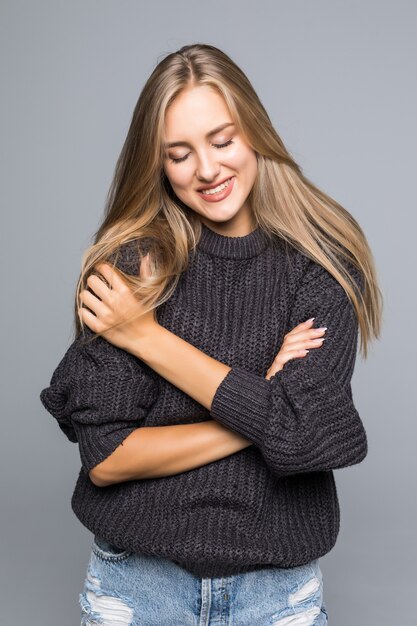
x,y
124,588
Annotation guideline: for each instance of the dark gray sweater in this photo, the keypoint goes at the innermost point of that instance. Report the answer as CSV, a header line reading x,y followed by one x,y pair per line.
x,y
273,503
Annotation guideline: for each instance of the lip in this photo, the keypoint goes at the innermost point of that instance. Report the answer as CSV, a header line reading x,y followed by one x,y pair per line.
x,y
221,195
204,187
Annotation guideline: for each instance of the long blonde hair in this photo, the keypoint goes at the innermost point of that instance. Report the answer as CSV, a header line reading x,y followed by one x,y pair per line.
x,y
142,206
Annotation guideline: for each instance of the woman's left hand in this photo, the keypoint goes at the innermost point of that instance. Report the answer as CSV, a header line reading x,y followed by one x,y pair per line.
x,y
115,304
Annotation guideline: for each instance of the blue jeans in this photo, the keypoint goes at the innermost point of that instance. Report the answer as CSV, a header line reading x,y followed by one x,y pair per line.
x,y
128,588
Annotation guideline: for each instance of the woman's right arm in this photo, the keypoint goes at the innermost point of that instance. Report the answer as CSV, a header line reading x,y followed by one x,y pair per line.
x,y
156,451
100,394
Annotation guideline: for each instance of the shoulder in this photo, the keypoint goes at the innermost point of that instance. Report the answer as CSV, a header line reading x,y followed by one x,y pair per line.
x,y
302,269
289,257
317,283
294,264
97,357
86,359
89,369
307,277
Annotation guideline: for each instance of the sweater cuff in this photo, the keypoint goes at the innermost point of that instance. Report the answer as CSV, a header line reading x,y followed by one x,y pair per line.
x,y
242,402
97,442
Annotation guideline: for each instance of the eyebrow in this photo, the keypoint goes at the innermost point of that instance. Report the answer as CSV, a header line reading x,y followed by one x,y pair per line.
x,y
209,134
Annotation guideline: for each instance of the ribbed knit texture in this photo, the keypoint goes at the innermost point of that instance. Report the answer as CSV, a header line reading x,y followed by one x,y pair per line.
x,y
273,503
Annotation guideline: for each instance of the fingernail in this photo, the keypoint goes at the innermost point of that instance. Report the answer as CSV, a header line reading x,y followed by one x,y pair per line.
x,y
311,319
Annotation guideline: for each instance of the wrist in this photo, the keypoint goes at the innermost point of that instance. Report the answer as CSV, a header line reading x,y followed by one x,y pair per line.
x,y
143,339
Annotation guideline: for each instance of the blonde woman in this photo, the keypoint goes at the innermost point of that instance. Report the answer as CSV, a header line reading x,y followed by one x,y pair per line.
x,y
209,382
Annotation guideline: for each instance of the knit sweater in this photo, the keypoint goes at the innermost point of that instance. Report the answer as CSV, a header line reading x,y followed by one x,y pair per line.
x,y
272,504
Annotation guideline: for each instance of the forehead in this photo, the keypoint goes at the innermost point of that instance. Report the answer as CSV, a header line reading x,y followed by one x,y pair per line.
x,y
194,113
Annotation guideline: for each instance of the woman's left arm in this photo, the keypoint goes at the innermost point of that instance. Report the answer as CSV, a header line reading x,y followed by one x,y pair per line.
x,y
303,418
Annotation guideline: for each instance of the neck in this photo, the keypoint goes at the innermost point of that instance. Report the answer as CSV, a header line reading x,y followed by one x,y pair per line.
x,y
240,225
232,246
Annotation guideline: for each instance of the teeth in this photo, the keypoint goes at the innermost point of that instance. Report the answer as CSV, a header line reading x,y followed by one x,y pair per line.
x,y
216,189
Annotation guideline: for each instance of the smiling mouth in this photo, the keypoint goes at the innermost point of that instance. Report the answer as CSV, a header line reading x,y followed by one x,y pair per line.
x,y
214,190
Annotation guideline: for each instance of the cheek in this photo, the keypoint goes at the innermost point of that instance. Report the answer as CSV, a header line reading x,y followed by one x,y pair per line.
x,y
178,176
242,159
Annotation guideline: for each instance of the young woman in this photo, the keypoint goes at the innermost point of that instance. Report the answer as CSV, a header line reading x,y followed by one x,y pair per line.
x,y
209,382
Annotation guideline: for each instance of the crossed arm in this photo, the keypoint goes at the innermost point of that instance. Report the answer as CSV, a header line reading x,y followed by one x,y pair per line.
x,y
303,419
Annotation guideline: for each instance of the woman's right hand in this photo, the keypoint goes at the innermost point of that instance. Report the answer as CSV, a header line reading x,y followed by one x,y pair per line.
x,y
296,344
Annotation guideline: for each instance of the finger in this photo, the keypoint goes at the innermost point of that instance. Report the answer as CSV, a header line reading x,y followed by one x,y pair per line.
x,y
302,326
305,324
145,267
293,354
301,345
305,335
89,319
111,274
98,286
90,300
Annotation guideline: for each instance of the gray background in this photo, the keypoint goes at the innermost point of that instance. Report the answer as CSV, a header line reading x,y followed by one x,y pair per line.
x,y
337,78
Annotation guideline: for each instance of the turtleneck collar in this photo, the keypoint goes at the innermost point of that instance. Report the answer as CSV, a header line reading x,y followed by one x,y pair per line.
x,y
243,247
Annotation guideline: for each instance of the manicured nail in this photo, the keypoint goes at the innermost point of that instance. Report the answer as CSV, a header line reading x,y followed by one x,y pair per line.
x,y
311,319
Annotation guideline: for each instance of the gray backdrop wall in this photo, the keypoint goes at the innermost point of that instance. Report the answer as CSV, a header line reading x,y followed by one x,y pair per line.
x,y
337,80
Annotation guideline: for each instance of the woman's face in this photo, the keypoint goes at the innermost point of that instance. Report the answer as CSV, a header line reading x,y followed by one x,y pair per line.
x,y
202,158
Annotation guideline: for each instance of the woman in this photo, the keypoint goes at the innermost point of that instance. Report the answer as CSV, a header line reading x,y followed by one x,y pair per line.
x,y
208,385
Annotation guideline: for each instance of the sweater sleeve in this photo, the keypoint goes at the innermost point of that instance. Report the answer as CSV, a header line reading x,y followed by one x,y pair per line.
x,y
303,418
99,393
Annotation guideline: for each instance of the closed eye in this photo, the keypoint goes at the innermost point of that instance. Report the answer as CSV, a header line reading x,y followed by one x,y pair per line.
x,y
216,145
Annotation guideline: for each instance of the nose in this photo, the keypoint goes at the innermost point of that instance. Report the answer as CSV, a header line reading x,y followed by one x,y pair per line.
x,y
207,167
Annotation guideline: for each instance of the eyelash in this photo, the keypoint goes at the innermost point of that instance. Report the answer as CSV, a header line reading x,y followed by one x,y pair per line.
x,y
219,145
